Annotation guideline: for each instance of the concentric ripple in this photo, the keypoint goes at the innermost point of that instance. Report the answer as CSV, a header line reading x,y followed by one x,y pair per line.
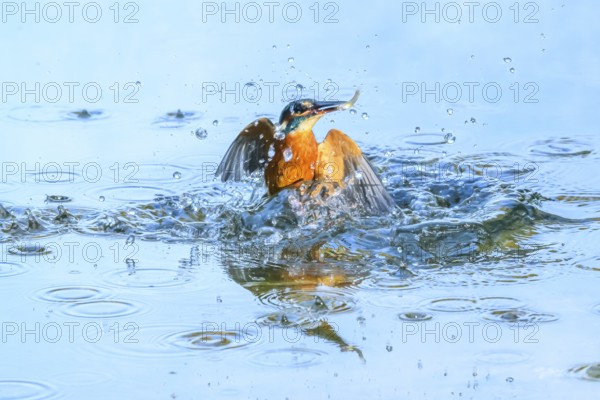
x,y
415,316
291,316
590,372
388,280
502,357
330,301
561,147
518,316
514,275
425,139
85,115
494,308
389,300
452,304
103,309
176,119
29,250
38,113
162,341
212,340
493,303
147,278
70,294
25,390
481,275
12,269
288,357
58,199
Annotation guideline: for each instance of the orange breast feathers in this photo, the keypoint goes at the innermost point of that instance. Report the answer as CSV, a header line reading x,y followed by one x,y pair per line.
x,y
294,161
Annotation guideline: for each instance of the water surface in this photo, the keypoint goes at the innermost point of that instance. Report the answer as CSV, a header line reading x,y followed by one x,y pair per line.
x,y
126,268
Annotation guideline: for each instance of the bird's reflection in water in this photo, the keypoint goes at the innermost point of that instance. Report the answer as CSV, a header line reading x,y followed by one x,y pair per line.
x,y
305,286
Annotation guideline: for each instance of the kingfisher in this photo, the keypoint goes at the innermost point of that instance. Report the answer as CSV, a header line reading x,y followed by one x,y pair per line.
x,y
289,156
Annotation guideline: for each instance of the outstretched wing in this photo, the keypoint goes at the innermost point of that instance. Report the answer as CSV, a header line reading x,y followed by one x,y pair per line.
x,y
248,152
342,162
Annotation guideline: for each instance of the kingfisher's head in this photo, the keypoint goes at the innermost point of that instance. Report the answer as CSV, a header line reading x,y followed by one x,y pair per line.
x,y
302,115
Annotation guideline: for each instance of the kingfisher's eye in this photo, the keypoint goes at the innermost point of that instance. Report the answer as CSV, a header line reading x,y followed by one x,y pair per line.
x,y
299,108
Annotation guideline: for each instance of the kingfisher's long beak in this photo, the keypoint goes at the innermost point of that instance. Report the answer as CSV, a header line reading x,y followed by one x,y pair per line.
x,y
324,107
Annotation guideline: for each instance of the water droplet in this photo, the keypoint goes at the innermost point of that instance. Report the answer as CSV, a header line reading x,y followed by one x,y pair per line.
x,y
83,114
57,199
507,59
291,60
219,299
271,151
274,47
420,364
319,303
365,116
287,154
288,46
417,129
510,379
472,55
399,250
216,122
449,138
450,111
389,348
130,240
368,46
279,134
543,36
358,174
201,133
512,70
177,175
299,88
473,120
352,111
101,198
138,83
32,222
